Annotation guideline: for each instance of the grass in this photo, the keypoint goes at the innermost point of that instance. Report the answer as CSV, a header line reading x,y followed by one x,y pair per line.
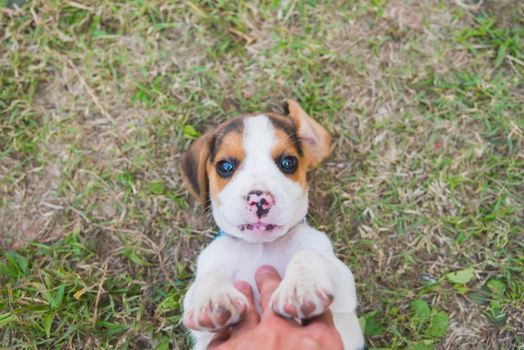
x,y
423,196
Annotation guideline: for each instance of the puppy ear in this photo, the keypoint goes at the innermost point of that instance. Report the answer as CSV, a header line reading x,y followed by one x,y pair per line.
x,y
317,141
193,168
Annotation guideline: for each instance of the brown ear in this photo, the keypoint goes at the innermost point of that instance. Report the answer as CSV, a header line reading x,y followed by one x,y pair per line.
x,y
317,140
194,170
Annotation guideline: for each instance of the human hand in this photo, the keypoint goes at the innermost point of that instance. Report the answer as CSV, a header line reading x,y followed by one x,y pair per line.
x,y
271,332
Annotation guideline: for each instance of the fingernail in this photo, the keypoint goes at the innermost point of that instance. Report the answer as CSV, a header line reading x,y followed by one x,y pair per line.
x,y
239,304
265,269
242,286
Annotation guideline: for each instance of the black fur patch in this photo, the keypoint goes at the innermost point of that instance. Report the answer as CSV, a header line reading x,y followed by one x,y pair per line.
x,y
285,107
191,170
216,142
290,129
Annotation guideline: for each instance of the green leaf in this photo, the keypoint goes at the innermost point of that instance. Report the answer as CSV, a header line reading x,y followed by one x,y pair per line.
x,y
501,54
48,322
55,301
481,297
497,314
171,302
421,310
129,252
49,299
373,326
182,271
461,276
157,187
21,262
191,132
112,328
15,266
497,287
140,96
6,318
97,33
59,295
421,345
438,325
163,344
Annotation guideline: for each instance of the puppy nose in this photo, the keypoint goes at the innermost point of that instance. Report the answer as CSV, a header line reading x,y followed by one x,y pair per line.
x,y
260,202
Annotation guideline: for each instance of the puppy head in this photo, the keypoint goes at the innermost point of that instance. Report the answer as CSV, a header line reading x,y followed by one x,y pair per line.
x,y
252,170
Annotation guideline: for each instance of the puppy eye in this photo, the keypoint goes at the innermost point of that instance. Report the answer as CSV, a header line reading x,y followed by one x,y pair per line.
x,y
288,164
225,168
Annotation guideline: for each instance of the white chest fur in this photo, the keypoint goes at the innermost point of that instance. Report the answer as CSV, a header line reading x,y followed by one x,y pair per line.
x,y
239,259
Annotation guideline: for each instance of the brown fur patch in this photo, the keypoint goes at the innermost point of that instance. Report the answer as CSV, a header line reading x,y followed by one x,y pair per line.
x,y
287,125
316,140
285,146
230,126
194,169
231,147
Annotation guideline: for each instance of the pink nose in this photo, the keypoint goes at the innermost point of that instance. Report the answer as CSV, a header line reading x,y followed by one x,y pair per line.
x,y
259,202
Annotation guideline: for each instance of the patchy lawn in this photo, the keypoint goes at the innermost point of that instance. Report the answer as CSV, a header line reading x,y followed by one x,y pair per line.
x,y
423,195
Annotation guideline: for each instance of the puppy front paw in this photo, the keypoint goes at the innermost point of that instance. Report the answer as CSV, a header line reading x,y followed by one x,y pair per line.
x,y
215,309
301,297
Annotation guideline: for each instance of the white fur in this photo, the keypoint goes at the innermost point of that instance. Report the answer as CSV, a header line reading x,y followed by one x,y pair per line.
x,y
302,255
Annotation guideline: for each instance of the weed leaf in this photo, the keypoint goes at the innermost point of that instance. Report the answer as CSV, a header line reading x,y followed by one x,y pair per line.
x,y
438,326
421,310
462,276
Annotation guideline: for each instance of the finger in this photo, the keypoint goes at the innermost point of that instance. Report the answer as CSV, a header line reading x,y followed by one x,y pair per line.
x,y
325,318
251,318
219,338
245,288
267,279
322,329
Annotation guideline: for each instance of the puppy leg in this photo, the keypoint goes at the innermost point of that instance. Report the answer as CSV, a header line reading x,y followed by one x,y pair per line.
x,y
348,327
315,282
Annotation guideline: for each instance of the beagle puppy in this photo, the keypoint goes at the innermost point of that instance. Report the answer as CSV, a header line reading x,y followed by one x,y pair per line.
x,y
252,171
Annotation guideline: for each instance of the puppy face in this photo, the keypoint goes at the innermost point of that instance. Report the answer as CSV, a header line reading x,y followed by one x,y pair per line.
x,y
252,170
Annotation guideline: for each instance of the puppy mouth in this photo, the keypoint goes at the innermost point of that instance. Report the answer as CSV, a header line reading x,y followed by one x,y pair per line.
x,y
258,227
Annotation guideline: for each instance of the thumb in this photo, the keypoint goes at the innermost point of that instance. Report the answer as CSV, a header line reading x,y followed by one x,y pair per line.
x,y
268,280
251,317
